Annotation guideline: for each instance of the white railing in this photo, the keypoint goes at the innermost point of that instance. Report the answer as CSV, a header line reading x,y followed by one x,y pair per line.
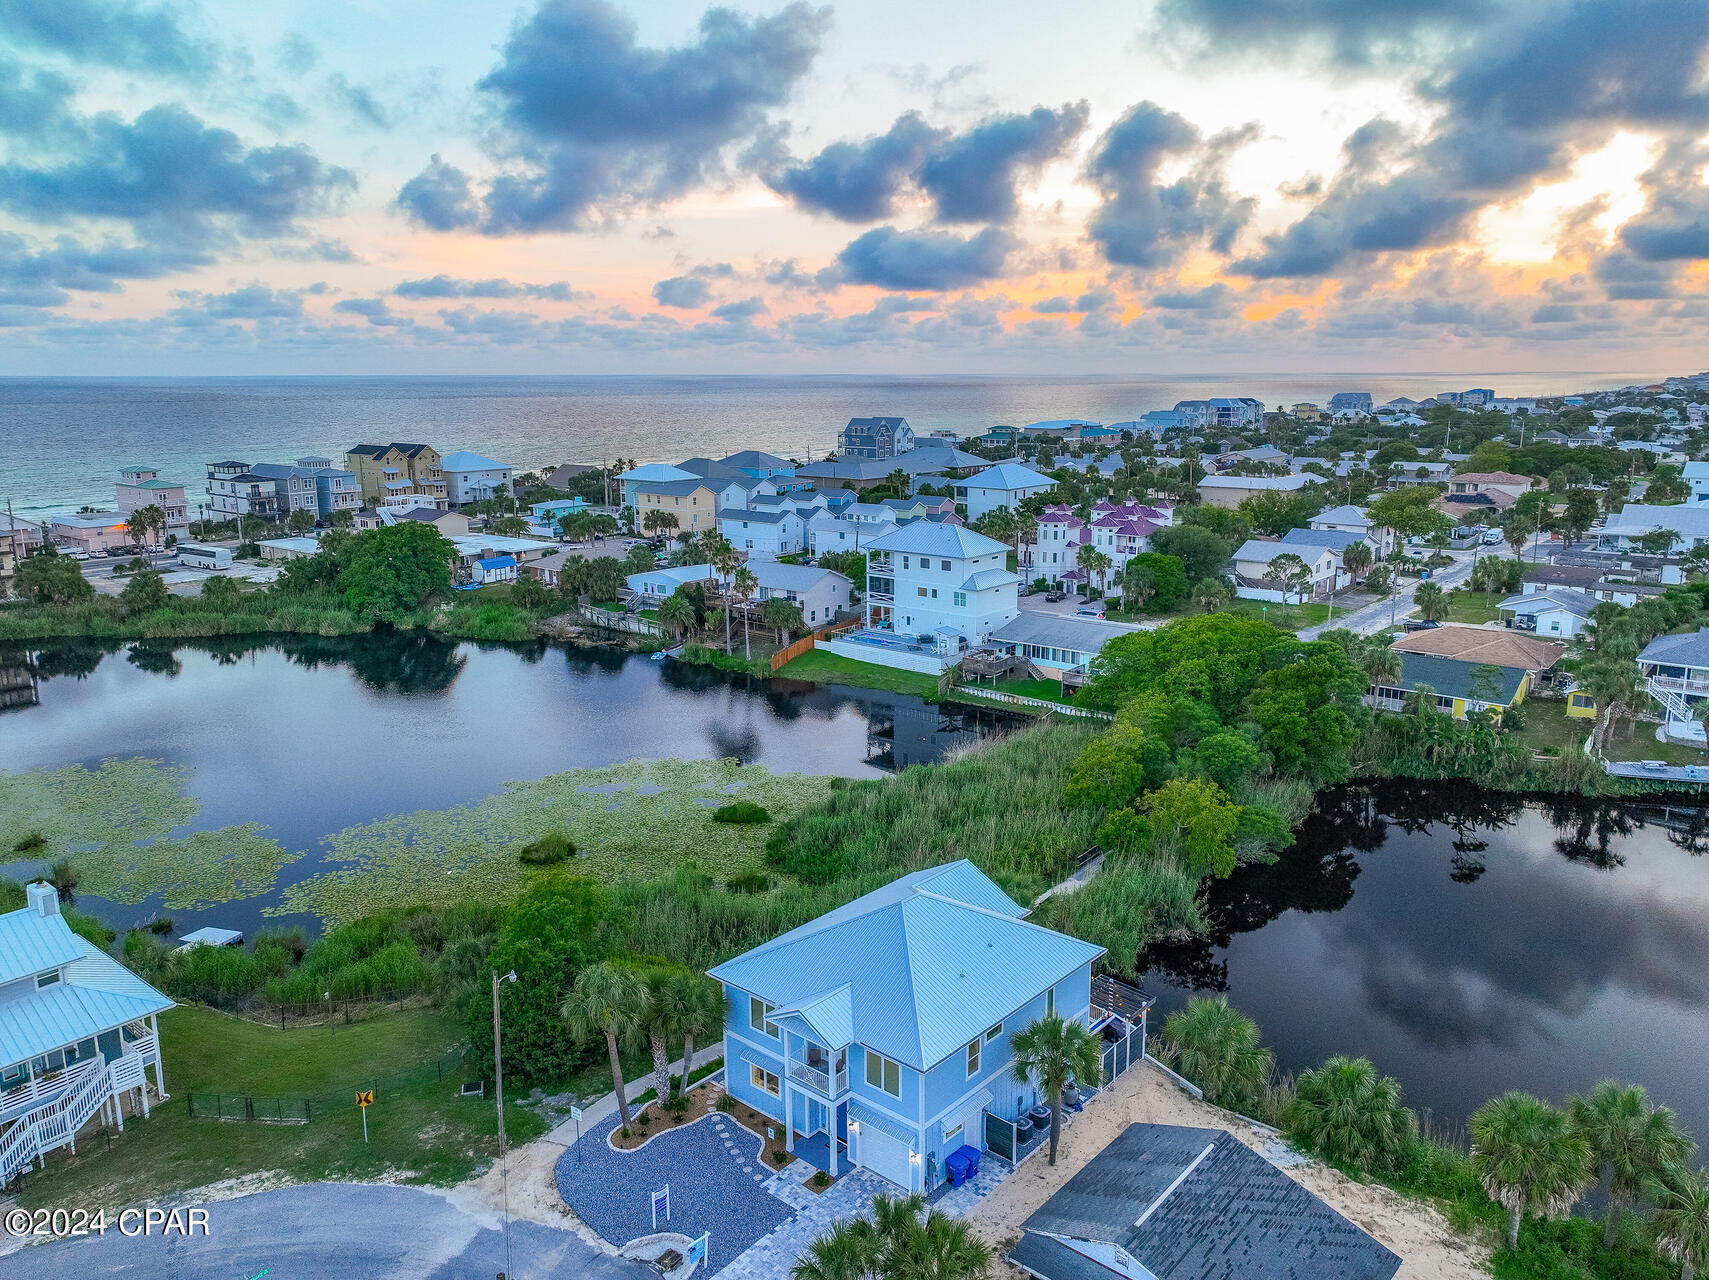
x,y
823,1081
17,1150
78,1092
1663,691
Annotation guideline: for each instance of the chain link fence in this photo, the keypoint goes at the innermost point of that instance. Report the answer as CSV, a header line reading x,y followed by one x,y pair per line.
x,y
208,1104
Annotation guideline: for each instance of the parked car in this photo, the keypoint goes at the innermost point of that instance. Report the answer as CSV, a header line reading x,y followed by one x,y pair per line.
x,y
1419,624
1056,597
1088,612
1493,538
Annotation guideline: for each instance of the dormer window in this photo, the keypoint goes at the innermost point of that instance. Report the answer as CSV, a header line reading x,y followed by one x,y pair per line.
x,y
47,979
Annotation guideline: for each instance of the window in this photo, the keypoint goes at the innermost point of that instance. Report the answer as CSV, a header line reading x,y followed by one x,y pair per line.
x,y
1050,1002
945,564
47,979
934,593
973,1058
921,590
759,1016
952,1138
763,1080
961,599
993,1032
905,562
881,1073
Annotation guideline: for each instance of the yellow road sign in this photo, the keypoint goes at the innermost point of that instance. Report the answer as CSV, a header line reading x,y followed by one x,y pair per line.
x,y
364,1097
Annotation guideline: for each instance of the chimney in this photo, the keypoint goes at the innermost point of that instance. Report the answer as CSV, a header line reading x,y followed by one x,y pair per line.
x,y
43,898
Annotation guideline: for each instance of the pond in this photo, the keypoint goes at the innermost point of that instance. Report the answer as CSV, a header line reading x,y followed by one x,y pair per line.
x,y
308,735
1470,942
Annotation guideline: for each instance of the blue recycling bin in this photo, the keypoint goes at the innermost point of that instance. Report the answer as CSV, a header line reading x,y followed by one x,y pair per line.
x,y
961,1164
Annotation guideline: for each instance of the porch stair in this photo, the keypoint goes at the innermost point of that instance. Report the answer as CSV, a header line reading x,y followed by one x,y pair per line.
x,y
76,1095
1676,706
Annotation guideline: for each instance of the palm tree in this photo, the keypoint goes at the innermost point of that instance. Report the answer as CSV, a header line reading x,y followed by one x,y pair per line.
x,y
1431,600
699,1005
1217,1048
659,1022
1529,1157
676,614
1053,1052
851,1250
606,1001
726,560
1630,1140
1348,1114
1381,663
743,584
1212,593
1357,558
938,1248
896,1243
1681,1220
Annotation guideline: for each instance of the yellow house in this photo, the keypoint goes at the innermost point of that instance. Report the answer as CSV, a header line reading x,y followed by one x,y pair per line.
x,y
398,470
694,503
1581,706
1460,687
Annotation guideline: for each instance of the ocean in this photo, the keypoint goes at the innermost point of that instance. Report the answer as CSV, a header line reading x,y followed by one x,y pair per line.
x,y
63,440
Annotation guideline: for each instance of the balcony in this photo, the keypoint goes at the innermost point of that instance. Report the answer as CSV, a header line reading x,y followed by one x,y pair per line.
x,y
878,562
818,1074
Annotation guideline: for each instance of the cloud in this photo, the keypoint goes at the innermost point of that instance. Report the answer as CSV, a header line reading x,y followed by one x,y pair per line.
x,y
682,291
1355,30
923,260
1091,300
595,124
375,311
1143,223
36,104
1674,224
1213,297
253,302
739,312
859,181
1625,276
972,177
357,100
74,266
108,33
175,179
296,54
440,198
444,286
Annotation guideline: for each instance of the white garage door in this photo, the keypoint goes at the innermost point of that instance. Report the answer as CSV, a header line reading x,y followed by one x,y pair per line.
x,y
885,1156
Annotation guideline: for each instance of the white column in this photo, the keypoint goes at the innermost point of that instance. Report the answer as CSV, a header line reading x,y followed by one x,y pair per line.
x,y
831,1137
788,1098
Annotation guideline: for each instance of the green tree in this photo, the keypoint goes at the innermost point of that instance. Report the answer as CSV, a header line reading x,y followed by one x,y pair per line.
x,y
743,584
603,577
782,616
1410,511
1227,524
1311,711
300,521
145,592
1202,552
697,1011
677,614
1581,512
342,518
1196,820
725,560
1168,579
1115,767
1632,1142
508,526
1357,558
1095,564
657,522
1681,1219
1211,594
896,1243
1216,1047
1346,1113
658,1021
1288,574
1054,1052
1529,1157
639,558
1275,512
389,573
221,593
1431,600
577,526
611,1002
1227,758
47,577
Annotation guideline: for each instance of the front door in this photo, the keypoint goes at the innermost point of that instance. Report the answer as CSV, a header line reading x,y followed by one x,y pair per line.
x,y
843,1122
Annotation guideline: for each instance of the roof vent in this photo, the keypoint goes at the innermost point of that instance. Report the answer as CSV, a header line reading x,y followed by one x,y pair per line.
x,y
43,898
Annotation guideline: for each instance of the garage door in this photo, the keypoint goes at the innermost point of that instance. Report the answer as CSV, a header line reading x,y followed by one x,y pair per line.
x,y
884,1155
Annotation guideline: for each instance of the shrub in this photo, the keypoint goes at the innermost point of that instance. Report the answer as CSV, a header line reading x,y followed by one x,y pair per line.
x,y
161,925
743,812
64,877
29,843
726,1102
748,882
780,1157
1346,1113
821,1179
548,850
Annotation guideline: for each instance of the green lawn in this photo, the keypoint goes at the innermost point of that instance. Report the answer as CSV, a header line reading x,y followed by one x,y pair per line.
x,y
418,1132
825,667
1635,740
1289,617
1548,729
1473,607
1049,690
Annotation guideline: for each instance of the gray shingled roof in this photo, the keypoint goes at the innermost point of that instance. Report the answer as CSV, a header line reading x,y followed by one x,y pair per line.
x,y
1192,1204
1684,651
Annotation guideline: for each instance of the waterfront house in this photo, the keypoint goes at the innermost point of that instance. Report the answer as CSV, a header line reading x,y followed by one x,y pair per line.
x,y
141,486
493,569
310,484
879,1033
96,532
469,477
1676,674
78,1032
396,470
821,593
942,580
234,491
1057,644
1004,485
1460,687
660,584
1168,1202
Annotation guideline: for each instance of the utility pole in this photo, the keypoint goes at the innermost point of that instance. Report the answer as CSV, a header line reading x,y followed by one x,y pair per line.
x,y
498,1095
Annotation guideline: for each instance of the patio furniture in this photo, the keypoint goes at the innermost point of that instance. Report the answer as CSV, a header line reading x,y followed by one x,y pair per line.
x,y
961,1164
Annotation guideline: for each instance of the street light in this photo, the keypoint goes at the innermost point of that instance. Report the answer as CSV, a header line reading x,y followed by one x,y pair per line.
x,y
498,1095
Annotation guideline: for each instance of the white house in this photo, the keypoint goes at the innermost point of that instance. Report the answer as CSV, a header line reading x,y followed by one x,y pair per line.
x,y
928,579
1696,474
1058,535
1004,485
1560,612
1056,643
659,584
821,593
1688,522
1231,491
494,569
1355,520
764,534
471,478
78,1032
1252,561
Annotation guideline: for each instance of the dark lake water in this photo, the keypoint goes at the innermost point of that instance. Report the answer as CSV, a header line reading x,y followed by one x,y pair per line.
x,y
1471,942
308,735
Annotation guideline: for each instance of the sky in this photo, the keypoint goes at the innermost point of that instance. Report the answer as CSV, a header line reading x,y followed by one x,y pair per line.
x,y
586,186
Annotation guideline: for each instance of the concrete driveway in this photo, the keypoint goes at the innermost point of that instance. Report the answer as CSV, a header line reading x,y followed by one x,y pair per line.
x,y
335,1230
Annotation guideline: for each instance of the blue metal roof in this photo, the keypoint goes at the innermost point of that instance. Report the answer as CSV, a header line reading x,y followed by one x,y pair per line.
x,y
96,994
872,1118
1009,477
829,1016
32,943
930,961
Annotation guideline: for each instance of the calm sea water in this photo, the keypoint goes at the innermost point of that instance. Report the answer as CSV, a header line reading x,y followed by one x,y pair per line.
x,y
62,440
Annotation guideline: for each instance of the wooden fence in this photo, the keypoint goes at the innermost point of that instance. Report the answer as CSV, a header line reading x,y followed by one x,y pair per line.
x,y
812,638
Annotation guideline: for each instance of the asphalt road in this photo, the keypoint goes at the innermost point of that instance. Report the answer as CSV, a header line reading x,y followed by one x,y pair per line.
x,y
334,1231
1398,605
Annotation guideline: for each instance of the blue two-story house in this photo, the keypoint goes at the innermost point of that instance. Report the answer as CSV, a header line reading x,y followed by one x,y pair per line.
x,y
885,1025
